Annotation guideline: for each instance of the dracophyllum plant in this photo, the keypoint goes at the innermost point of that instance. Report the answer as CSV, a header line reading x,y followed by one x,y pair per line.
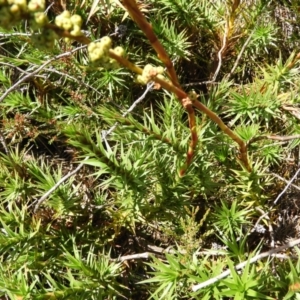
x,y
102,54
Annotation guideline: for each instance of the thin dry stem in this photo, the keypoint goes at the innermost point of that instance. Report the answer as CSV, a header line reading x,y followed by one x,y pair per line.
x,y
130,109
275,137
240,54
221,51
286,181
194,137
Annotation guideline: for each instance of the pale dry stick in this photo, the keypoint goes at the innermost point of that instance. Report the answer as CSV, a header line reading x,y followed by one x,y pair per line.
x,y
169,250
160,250
200,83
19,69
26,77
286,181
283,138
284,256
240,54
48,8
287,186
220,53
243,264
278,197
14,34
147,255
4,144
272,236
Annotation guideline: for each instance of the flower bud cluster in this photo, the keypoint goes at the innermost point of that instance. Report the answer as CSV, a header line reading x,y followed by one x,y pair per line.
x,y
69,23
11,11
99,53
149,72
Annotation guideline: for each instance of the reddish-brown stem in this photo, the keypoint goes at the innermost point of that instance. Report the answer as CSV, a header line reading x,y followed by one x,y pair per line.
x,y
194,136
141,21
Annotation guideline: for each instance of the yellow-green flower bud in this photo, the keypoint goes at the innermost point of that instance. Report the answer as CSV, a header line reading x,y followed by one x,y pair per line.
x,y
22,4
141,79
148,68
40,19
92,46
119,51
63,20
160,70
96,54
36,5
67,24
147,72
106,42
76,31
58,21
76,20
15,10
65,14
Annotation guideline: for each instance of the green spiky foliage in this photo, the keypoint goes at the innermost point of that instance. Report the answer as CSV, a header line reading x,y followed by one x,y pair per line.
x,y
159,197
